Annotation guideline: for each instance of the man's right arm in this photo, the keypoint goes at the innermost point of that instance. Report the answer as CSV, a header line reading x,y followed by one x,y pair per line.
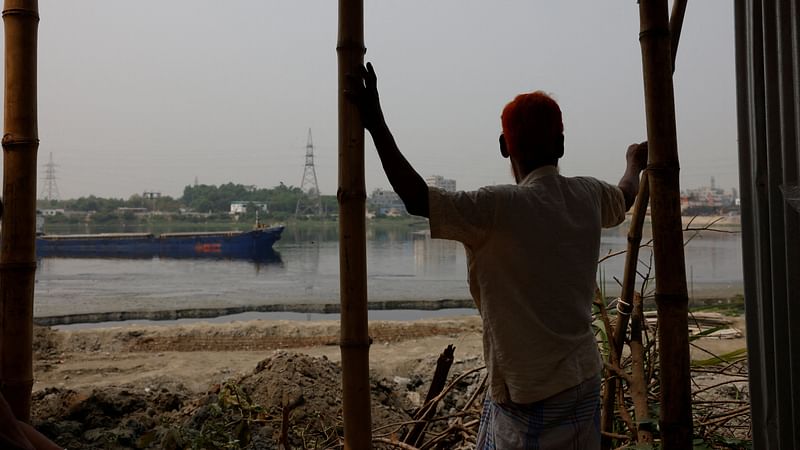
x,y
405,181
636,158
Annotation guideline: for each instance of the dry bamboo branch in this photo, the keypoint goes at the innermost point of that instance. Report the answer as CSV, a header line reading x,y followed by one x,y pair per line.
x,y
354,340
616,370
638,386
394,443
443,365
478,390
727,416
18,246
623,412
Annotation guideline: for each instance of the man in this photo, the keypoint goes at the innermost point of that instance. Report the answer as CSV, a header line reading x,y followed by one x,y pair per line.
x,y
532,251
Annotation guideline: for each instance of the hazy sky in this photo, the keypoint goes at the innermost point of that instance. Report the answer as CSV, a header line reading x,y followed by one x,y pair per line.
x,y
149,95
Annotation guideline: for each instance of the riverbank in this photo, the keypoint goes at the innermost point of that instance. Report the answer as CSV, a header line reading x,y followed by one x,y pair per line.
x,y
137,386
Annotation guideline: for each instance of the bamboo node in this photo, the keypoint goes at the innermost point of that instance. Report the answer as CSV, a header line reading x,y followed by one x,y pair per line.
x,y
21,12
663,167
656,32
355,343
16,266
351,194
10,141
14,384
671,298
351,46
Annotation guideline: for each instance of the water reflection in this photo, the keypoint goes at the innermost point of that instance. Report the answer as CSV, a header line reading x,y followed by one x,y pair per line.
x,y
713,262
434,256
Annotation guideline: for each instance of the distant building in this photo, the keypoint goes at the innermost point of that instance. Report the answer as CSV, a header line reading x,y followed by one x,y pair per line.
x,y
52,212
240,207
387,203
709,200
125,209
441,182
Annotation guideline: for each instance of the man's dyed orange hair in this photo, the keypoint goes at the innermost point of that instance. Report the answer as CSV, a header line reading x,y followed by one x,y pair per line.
x,y
532,125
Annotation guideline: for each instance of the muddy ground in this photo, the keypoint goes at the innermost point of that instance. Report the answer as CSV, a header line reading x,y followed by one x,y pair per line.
x,y
265,383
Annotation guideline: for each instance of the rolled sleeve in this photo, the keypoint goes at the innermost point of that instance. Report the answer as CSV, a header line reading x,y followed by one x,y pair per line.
x,y
612,205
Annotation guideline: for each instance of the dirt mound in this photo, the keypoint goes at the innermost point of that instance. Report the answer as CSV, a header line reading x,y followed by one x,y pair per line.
x,y
118,417
288,398
47,343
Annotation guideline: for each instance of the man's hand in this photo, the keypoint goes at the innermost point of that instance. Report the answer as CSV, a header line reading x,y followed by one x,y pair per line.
x,y
362,90
636,157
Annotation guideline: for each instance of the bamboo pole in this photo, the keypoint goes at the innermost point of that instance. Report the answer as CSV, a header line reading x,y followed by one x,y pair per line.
x,y
354,338
644,434
632,254
625,306
640,206
671,297
18,243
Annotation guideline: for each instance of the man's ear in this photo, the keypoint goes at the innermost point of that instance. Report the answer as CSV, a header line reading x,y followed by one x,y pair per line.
x,y
559,150
503,148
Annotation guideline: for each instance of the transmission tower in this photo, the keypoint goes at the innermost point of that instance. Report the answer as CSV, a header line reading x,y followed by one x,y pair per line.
x,y
310,204
49,189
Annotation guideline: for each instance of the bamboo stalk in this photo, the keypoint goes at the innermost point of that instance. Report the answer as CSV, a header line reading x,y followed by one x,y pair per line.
x,y
671,296
354,337
644,434
18,243
632,253
617,337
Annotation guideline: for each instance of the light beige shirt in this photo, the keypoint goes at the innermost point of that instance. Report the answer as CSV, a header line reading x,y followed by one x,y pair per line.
x,y
532,253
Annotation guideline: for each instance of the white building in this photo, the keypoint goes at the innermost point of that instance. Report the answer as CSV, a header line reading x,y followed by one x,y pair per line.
x,y
52,212
387,203
240,207
441,182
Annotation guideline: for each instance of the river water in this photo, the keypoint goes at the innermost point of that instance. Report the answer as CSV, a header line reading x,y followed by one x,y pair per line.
x,y
401,266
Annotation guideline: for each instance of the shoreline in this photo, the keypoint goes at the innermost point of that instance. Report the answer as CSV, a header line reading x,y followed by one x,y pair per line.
x,y
394,310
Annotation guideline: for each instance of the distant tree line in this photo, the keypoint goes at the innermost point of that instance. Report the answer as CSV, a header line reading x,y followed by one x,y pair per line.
x,y
202,198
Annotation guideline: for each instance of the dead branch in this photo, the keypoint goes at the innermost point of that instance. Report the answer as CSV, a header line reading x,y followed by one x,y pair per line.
x,y
394,443
443,365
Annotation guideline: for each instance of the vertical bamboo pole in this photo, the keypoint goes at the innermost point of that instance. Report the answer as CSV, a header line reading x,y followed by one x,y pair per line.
x,y
624,308
354,337
670,268
17,246
632,254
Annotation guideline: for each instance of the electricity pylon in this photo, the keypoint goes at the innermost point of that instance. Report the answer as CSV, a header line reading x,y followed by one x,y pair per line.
x,y
49,189
310,204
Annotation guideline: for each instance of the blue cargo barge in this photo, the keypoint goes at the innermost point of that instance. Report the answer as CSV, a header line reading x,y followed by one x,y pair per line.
x,y
255,244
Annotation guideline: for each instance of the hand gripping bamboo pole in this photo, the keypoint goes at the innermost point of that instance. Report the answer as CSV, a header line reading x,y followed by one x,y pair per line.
x,y
18,244
670,268
354,337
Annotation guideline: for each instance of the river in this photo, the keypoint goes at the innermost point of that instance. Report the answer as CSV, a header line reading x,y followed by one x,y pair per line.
x,y
402,266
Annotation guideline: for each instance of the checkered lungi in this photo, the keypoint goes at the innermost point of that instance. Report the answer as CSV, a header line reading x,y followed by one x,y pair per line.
x,y
567,420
